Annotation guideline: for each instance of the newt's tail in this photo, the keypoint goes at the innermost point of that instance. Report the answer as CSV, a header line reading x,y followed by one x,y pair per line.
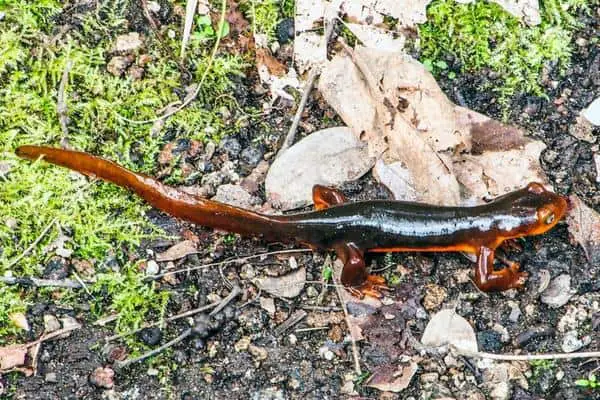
x,y
173,201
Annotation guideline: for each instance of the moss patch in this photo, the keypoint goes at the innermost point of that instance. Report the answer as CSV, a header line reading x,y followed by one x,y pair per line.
x,y
483,35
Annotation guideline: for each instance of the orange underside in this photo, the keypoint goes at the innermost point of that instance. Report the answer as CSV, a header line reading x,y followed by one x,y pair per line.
x,y
467,248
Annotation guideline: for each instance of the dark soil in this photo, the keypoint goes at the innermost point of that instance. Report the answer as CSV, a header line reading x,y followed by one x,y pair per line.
x,y
294,367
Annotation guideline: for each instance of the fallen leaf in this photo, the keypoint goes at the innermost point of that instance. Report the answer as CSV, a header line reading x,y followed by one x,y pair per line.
x,y
391,378
584,227
264,57
310,47
328,157
19,320
177,251
559,291
397,178
289,285
447,327
12,356
267,304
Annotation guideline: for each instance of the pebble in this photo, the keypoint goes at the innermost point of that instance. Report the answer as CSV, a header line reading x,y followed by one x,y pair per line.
x,y
235,195
242,344
231,146
103,377
285,31
597,163
51,323
259,353
152,268
325,353
118,64
489,341
515,312
51,377
128,42
592,112
150,336
526,337
571,342
559,291
434,296
56,268
251,156
292,339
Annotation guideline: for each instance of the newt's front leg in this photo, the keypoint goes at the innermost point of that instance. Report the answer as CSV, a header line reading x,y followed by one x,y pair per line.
x,y
489,280
354,274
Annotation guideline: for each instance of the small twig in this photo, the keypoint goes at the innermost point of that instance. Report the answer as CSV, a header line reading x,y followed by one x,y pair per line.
x,y
51,335
310,82
232,261
235,291
357,368
296,317
125,363
525,357
149,17
61,107
82,283
319,308
32,245
317,328
36,282
170,319
191,98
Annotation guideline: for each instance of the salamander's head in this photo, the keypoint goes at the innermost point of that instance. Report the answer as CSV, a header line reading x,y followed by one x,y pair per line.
x,y
549,208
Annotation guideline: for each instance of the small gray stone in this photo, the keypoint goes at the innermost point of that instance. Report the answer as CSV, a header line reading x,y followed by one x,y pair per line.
x,y
51,377
235,195
128,42
152,268
51,323
571,342
559,292
230,146
103,377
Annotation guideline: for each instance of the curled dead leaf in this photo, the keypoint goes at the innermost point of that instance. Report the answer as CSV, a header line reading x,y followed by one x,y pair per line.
x,y
584,227
288,286
177,251
448,328
392,378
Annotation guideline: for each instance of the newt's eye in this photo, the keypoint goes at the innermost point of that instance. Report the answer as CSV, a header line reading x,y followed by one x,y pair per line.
x,y
550,219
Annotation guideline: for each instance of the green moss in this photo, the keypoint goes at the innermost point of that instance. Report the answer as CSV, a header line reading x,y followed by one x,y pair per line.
x,y
266,14
133,300
483,35
99,218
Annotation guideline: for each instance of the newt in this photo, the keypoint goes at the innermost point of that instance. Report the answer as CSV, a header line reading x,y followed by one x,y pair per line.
x,y
352,229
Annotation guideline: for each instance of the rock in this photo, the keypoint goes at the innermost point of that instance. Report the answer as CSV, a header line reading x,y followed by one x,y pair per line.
x,y
150,336
597,163
325,353
118,64
559,292
242,344
103,377
582,130
489,341
359,309
328,157
533,333
51,323
515,312
571,342
259,353
152,268
51,377
434,296
251,156
532,107
136,73
127,43
230,146
592,112
236,196
285,30
57,269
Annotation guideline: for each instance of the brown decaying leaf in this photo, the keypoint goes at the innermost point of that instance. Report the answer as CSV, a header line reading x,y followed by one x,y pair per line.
x,y
11,357
274,66
177,251
584,227
392,378
289,285
439,143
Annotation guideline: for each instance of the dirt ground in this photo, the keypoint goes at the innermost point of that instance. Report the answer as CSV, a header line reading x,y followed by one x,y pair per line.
x,y
296,366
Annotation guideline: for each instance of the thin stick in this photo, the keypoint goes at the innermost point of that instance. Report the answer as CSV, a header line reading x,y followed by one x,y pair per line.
x,y
352,339
525,357
240,259
82,283
235,291
191,98
128,362
310,82
173,318
36,282
61,107
32,245
47,336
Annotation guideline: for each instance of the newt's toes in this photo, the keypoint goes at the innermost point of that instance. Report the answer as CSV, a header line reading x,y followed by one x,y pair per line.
x,y
372,287
519,279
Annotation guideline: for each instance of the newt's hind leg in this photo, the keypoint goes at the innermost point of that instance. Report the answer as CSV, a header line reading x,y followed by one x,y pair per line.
x,y
325,197
354,274
489,280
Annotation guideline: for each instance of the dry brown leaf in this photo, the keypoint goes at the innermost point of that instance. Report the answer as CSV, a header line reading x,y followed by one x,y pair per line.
x,y
391,378
177,251
19,320
447,327
274,66
439,144
11,357
289,285
584,227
